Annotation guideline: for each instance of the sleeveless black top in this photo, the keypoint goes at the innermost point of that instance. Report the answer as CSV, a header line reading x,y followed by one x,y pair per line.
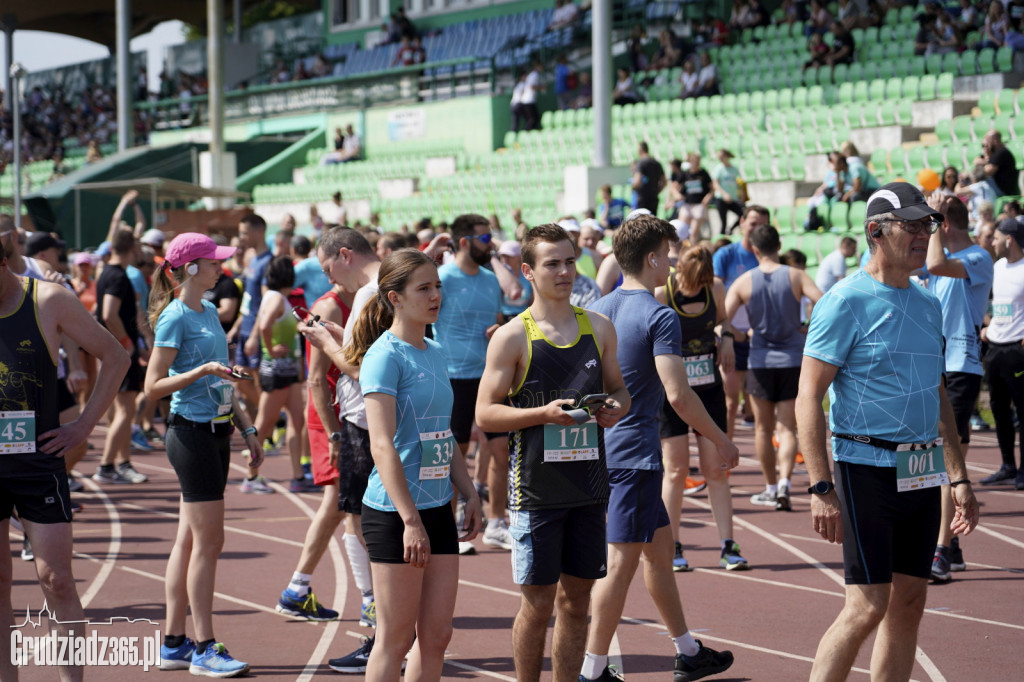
x,y
28,382
552,373
698,328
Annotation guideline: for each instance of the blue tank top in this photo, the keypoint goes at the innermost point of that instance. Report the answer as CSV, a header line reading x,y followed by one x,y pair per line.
x,y
774,313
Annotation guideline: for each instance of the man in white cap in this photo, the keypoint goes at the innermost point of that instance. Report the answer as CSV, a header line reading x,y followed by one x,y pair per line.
x,y
154,238
875,343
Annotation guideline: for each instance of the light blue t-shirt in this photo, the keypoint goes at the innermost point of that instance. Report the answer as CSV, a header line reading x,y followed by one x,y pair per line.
x,y
645,329
510,308
469,305
199,339
140,285
887,344
730,262
964,302
310,276
423,404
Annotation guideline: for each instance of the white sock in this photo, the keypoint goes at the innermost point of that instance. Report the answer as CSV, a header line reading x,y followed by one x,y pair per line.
x,y
367,597
493,523
359,560
300,583
593,666
686,644
783,482
772,489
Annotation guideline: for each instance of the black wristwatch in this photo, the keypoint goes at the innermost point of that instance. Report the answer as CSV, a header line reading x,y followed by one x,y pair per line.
x,y
821,488
728,335
335,437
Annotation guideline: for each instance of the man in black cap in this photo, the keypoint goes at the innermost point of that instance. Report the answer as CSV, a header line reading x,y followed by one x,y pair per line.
x,y
875,342
44,247
1005,336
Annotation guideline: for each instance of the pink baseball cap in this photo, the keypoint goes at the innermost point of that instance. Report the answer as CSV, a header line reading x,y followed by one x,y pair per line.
x,y
188,246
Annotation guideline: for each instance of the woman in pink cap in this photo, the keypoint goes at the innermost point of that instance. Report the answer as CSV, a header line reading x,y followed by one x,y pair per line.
x,y
190,363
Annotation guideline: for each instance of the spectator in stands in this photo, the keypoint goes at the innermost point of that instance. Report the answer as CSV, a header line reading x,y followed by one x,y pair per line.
x,y
698,192
999,164
584,93
406,55
739,16
833,266
566,13
670,51
967,19
648,179
688,80
862,181
949,180
321,67
819,51
725,177
792,12
843,47
516,111
985,228
707,79
406,29
635,49
93,154
849,14
718,31
563,93
419,53
625,91
534,85
996,25
874,15
352,148
339,139
757,15
336,214
979,192
300,73
819,19
281,73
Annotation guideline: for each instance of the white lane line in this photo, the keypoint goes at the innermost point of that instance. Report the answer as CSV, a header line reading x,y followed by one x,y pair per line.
x,y
999,536
478,671
989,524
113,547
922,658
745,575
805,538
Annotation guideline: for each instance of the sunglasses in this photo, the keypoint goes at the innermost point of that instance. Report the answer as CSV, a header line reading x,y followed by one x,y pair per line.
x,y
483,238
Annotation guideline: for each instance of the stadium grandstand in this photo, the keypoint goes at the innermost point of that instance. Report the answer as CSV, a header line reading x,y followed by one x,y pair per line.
x,y
428,94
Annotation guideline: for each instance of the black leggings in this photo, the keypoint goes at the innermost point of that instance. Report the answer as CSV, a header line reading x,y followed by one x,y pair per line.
x,y
201,460
724,207
1005,361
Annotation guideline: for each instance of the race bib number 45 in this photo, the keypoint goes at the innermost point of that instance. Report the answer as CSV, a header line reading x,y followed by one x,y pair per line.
x,y
438,448
570,443
920,466
17,432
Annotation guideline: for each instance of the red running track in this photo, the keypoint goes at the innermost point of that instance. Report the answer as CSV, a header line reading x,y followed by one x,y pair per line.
x,y
771,617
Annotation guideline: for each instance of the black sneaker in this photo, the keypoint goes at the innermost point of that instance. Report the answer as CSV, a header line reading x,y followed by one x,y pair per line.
x,y
956,556
1005,473
705,662
355,662
609,673
1019,482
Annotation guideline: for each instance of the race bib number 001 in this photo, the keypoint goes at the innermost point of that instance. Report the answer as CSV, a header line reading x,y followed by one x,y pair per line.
x,y
438,448
573,443
920,466
17,432
700,369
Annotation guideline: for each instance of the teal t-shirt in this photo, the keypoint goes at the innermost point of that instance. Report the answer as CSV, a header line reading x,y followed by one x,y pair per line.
x,y
469,305
311,278
964,302
423,403
887,344
199,339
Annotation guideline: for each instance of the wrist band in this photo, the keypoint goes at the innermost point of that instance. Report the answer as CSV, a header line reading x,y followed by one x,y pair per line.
x,y
251,431
962,481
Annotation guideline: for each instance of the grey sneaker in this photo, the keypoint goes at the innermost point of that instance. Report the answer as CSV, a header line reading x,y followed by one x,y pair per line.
x,y
498,536
765,499
110,475
128,473
782,499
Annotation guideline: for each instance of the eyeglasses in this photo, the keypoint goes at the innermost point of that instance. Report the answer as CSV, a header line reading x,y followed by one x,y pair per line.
x,y
483,238
915,227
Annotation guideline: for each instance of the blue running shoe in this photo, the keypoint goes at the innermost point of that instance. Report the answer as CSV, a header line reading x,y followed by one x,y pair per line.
x,y
306,608
178,658
216,662
140,443
679,562
355,662
731,559
368,614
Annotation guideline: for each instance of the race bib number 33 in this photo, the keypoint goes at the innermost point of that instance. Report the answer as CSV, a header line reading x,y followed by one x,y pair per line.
x,y
438,448
920,466
570,443
17,432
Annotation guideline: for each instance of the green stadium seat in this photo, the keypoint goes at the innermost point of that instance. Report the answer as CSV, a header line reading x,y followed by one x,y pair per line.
x,y
1004,124
1005,101
944,86
987,60
951,63
927,87
703,106
910,88
906,14
844,93
1004,59
887,33
980,126
870,71
1017,127
557,119
893,89
815,96
860,91
918,66
904,111
784,218
742,102
968,63
944,131
797,168
840,73
510,139
876,90
962,129
676,108
898,162
770,100
879,162
546,119
933,62
886,70
876,51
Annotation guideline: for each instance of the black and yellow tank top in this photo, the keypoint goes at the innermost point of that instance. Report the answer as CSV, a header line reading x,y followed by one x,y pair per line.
x,y
28,396
700,346
550,466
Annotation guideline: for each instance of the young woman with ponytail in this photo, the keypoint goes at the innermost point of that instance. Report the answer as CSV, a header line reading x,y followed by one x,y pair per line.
x,y
189,362
407,520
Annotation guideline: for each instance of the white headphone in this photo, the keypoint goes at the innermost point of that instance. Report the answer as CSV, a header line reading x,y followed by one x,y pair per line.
x,y
654,262
191,269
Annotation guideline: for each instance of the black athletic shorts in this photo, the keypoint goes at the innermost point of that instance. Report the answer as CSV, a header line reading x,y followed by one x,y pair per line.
x,y
670,424
132,382
41,498
885,531
383,531
354,466
278,373
775,384
742,350
65,400
464,410
200,459
963,390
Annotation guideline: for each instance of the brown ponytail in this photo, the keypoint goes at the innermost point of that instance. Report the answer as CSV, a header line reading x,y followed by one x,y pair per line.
x,y
162,292
378,313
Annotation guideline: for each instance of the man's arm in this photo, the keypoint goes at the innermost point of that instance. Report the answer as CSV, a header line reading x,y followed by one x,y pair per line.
x,y
507,280
737,295
965,505
815,378
687,404
938,262
619,401
129,197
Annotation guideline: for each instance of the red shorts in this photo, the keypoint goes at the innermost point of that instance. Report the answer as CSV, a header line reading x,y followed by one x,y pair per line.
x,y
320,457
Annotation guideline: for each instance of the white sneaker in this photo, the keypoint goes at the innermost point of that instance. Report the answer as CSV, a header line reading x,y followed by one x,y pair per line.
x,y
466,548
764,499
497,535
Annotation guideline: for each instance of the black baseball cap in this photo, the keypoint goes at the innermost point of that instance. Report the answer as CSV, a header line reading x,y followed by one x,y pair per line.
x,y
40,241
1012,227
903,200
